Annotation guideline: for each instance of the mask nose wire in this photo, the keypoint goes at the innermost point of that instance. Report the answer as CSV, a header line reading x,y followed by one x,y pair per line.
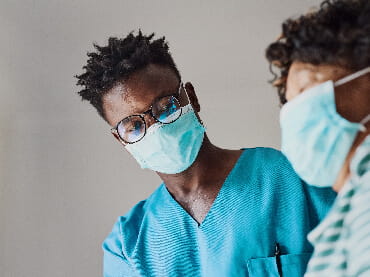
x,y
352,76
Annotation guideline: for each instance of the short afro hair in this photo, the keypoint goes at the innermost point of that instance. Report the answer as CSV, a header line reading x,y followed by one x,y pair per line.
x,y
117,61
336,34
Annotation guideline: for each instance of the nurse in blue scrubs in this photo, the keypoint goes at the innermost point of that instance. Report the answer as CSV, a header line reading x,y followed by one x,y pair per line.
x,y
218,212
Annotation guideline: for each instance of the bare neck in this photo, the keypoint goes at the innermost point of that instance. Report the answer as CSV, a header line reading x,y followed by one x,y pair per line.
x,y
212,163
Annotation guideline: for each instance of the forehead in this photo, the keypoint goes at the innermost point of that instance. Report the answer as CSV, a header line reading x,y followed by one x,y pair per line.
x,y
302,76
135,95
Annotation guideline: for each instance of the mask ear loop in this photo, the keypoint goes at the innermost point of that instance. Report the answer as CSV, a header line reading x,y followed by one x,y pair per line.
x,y
186,92
352,76
189,102
364,121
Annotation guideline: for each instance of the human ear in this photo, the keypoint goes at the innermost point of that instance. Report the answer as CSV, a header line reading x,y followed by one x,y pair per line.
x,y
192,96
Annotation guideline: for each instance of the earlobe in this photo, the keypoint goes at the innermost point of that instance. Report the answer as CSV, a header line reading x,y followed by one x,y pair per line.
x,y
192,96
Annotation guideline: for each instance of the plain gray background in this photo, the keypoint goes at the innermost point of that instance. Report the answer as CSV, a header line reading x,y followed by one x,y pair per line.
x,y
63,178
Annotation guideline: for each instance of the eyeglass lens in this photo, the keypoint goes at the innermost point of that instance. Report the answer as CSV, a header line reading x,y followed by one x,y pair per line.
x,y
166,110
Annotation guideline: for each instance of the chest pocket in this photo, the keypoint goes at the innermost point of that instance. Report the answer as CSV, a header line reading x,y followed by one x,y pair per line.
x,y
292,265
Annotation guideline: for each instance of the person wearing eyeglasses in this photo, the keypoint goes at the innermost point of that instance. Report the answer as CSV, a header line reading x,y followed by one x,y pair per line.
x,y
324,84
218,212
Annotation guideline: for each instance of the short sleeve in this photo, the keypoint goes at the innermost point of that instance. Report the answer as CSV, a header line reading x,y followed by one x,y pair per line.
x,y
115,263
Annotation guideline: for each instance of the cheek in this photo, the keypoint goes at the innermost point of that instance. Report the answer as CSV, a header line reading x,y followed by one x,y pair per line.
x,y
298,84
300,78
292,89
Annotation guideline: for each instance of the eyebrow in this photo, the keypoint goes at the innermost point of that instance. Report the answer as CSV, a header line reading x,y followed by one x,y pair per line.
x,y
164,93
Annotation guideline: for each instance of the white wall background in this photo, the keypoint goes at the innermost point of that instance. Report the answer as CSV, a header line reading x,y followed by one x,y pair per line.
x,y
63,178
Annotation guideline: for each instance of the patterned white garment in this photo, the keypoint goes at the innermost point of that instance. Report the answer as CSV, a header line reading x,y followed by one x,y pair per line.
x,y
342,239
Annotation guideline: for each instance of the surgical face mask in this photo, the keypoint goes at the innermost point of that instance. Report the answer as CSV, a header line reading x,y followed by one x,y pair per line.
x,y
315,138
170,148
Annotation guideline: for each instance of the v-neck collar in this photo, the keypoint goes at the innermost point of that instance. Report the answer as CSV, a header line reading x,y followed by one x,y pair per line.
x,y
215,201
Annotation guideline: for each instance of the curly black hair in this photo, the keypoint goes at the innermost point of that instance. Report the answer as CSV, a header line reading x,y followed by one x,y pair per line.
x,y
336,34
117,61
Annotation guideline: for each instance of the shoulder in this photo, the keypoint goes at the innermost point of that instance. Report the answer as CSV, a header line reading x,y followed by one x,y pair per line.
x,y
359,212
116,262
267,152
272,171
359,208
126,229
265,171
265,156
360,164
267,161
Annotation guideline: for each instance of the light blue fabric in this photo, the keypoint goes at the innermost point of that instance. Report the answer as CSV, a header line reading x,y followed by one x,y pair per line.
x,y
170,148
261,202
342,239
315,138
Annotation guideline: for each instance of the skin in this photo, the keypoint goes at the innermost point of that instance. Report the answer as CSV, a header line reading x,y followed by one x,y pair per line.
x,y
352,99
196,188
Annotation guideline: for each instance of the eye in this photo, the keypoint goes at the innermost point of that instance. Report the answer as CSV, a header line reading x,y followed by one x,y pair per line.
x,y
165,110
131,129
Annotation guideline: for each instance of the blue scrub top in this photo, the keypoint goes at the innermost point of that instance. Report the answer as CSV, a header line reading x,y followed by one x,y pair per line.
x,y
262,202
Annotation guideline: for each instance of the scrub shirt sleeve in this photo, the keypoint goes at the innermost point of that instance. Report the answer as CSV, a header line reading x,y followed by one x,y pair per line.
x,y
115,263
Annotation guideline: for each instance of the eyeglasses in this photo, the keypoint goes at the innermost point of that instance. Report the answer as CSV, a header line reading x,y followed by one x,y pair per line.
x,y
165,110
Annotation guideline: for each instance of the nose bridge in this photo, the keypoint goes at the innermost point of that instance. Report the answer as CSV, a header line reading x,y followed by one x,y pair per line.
x,y
149,119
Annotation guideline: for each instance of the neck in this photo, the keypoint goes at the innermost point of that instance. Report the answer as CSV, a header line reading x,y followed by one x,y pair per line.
x,y
345,172
199,174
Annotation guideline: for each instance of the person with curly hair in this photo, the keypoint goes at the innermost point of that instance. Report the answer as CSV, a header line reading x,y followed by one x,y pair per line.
x,y
218,212
323,82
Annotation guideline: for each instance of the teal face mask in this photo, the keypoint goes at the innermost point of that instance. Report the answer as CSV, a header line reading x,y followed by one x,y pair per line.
x,y
170,148
315,138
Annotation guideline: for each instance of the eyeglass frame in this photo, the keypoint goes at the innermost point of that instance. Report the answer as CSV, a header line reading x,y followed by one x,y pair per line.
x,y
115,132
